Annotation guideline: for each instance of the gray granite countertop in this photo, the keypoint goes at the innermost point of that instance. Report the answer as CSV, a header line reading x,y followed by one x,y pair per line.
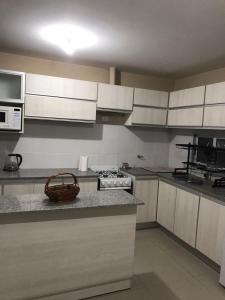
x,y
39,202
204,189
43,173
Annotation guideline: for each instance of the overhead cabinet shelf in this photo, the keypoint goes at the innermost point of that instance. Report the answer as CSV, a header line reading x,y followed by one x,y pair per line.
x,y
11,86
56,98
115,98
187,97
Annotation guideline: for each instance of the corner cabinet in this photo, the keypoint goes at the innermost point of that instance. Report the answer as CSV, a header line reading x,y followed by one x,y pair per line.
x,y
150,108
178,212
115,98
56,98
146,190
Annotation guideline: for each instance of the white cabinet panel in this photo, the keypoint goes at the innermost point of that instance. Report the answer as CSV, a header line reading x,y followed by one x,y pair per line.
x,y
88,186
214,116
185,116
60,87
187,97
59,108
150,98
215,93
166,205
148,116
211,229
115,97
146,191
18,188
186,216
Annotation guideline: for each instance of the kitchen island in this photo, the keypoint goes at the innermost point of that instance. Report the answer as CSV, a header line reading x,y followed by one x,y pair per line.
x,y
66,251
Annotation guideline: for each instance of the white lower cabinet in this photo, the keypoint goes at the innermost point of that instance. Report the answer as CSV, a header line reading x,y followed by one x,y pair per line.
x,y
43,107
211,229
146,191
166,205
186,216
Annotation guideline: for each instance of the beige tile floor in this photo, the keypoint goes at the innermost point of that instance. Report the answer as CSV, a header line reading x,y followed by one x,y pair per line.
x,y
164,270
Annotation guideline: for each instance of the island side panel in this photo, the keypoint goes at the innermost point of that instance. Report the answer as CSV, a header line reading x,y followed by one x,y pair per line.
x,y
61,256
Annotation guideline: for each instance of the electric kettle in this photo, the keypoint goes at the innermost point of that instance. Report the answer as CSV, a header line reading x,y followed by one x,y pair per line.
x,y
12,162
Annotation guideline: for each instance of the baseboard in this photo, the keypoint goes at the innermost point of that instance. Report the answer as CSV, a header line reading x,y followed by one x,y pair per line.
x,y
193,251
146,225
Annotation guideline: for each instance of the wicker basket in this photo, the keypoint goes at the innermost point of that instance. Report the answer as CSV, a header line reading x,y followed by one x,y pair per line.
x,y
62,192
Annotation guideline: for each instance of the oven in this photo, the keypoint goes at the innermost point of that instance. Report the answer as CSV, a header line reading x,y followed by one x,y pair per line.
x,y
113,179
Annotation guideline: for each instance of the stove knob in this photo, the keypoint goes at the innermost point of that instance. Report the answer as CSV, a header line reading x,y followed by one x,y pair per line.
x,y
114,182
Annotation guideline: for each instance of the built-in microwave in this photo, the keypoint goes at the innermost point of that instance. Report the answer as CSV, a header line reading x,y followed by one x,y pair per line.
x,y
10,118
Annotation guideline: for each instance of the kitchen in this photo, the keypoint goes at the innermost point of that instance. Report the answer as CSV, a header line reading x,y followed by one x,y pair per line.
x,y
117,110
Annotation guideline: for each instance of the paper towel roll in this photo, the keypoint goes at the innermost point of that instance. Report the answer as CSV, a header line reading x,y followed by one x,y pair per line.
x,y
83,163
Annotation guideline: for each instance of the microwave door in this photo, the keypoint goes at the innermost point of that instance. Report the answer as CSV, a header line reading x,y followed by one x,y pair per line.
x,y
3,119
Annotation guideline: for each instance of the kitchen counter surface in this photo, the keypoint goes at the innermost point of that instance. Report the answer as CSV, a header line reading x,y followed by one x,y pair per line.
x,y
204,189
44,173
39,202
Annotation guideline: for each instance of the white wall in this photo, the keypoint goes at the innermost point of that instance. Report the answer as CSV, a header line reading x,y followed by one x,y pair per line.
x,y
184,136
52,145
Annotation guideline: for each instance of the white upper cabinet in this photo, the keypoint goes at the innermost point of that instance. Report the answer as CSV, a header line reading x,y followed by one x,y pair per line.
x,y
187,97
150,98
60,87
43,107
215,93
214,116
115,97
191,117
148,116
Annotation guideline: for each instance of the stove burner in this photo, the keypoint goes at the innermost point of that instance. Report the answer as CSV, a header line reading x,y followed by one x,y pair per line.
x,y
111,174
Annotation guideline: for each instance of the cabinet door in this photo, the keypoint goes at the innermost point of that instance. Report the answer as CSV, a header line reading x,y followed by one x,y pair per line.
x,y
166,205
150,98
148,116
87,186
215,93
146,191
18,188
59,108
186,216
214,116
185,116
114,97
187,97
60,87
211,229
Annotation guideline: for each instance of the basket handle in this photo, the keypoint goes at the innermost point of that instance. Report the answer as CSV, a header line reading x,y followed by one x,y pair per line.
x,y
59,174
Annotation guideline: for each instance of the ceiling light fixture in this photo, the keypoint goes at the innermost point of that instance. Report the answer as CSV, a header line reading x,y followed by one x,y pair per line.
x,y
68,37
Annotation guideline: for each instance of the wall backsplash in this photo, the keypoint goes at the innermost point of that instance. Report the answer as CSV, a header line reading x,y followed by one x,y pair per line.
x,y
176,155
55,145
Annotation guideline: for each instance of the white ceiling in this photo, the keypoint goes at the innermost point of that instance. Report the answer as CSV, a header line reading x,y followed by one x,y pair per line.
x,y
162,37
